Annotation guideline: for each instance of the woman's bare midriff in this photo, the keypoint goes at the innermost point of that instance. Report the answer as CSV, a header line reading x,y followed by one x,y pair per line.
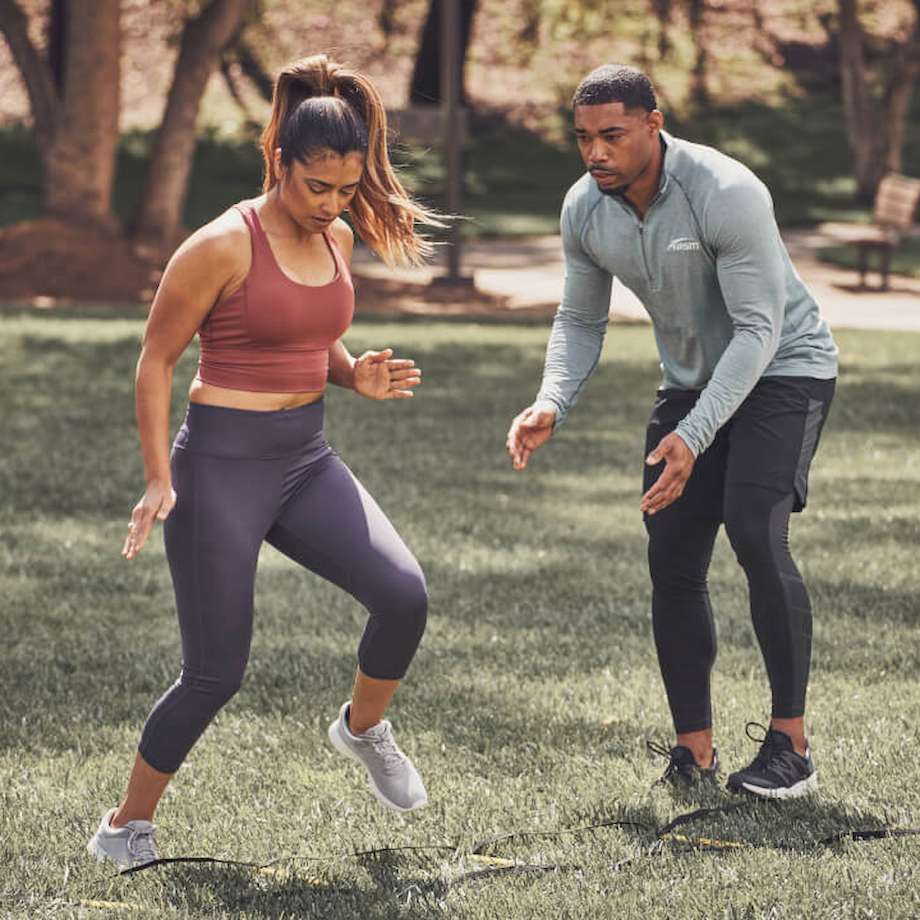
x,y
209,395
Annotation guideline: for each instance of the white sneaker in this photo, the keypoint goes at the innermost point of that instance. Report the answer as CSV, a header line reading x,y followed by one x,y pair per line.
x,y
390,774
128,846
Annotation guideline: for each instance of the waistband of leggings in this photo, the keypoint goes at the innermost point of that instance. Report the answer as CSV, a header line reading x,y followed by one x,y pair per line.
x,y
225,432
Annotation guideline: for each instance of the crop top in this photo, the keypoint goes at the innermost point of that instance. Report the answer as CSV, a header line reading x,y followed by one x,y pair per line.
x,y
274,334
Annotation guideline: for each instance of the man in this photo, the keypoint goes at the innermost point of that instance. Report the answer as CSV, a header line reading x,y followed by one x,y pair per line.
x,y
749,372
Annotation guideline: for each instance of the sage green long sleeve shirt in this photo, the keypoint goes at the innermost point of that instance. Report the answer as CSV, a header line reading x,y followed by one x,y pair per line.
x,y
708,264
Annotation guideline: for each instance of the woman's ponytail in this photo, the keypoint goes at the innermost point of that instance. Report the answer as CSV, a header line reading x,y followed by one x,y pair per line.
x,y
383,213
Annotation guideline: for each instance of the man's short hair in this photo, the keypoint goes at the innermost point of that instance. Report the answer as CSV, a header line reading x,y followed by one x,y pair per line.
x,y
616,83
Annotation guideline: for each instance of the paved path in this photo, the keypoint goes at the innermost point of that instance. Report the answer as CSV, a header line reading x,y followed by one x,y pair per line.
x,y
529,273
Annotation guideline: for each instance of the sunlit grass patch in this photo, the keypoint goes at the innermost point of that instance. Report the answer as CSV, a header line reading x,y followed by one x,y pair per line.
x,y
536,686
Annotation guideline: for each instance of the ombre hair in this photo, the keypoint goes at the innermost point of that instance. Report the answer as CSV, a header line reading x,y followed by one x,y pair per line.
x,y
321,105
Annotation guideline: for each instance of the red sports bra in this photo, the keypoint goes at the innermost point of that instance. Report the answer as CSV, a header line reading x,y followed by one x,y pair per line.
x,y
273,334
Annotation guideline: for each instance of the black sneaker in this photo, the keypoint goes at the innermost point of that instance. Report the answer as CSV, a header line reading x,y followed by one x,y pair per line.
x,y
683,770
777,772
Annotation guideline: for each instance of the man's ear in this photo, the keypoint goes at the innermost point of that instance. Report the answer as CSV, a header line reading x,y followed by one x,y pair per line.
x,y
655,120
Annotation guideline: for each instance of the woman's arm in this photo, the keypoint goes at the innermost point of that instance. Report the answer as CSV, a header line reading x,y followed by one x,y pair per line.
x,y
201,270
376,374
341,361
341,365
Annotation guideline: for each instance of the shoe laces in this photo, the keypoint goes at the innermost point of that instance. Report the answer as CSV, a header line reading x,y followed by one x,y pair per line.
x,y
140,844
386,749
675,766
767,740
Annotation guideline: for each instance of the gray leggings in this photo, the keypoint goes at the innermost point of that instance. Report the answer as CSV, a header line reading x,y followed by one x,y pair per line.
x,y
242,477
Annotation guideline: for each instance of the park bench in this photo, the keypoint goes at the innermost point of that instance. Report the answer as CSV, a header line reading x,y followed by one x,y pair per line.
x,y
892,218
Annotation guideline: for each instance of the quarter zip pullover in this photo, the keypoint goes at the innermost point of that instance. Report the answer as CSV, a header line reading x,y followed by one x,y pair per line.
x,y
707,261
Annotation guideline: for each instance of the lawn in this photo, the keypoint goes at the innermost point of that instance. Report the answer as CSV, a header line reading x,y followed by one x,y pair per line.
x,y
536,685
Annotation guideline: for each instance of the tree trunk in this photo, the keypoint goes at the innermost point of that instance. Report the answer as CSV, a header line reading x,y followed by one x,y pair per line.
x,y
661,9
899,94
204,39
80,159
529,32
425,88
251,67
386,19
875,127
44,103
859,121
699,91
899,107
57,40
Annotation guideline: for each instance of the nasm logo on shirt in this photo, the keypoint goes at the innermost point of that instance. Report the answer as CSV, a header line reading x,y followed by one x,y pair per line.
x,y
684,244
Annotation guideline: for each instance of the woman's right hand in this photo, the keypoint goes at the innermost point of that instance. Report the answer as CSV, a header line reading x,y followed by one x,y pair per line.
x,y
155,504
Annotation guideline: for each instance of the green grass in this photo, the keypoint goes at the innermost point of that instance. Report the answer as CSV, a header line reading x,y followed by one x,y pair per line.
x,y
535,686
904,261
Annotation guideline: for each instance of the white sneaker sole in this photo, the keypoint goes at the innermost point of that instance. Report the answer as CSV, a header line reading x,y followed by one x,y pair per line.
x,y
101,855
95,850
801,788
342,747
98,852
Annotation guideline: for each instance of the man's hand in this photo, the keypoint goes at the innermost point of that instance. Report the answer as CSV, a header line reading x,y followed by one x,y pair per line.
x,y
678,465
528,431
378,375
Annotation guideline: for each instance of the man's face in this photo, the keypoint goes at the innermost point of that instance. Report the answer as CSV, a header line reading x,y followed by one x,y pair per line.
x,y
616,144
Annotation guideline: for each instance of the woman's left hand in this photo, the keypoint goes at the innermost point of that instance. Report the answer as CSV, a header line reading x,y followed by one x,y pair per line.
x,y
378,375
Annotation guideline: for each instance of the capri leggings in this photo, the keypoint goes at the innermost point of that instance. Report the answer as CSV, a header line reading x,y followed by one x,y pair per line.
x,y
242,477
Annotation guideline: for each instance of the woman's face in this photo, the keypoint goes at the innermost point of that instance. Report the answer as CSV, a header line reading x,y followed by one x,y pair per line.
x,y
316,192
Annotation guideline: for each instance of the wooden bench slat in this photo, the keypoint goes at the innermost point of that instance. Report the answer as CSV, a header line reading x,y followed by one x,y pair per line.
x,y
892,214
896,201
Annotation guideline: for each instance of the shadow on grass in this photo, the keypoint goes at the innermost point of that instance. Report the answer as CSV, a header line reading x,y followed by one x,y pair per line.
x,y
94,431
407,886
238,890
69,681
802,826
875,406
540,638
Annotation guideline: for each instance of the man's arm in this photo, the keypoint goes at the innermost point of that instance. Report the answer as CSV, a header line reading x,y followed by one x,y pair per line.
x,y
752,276
573,349
579,327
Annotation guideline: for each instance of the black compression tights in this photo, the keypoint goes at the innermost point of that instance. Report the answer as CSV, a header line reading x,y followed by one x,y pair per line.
x,y
679,551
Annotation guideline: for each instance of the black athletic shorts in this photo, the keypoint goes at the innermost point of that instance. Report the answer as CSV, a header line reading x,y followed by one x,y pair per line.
x,y
769,441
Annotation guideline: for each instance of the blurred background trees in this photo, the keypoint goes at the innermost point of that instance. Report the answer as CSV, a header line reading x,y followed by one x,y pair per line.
x,y
119,95
74,101
877,93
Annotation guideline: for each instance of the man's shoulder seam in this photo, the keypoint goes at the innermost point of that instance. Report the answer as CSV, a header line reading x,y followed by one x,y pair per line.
x,y
582,230
578,207
697,222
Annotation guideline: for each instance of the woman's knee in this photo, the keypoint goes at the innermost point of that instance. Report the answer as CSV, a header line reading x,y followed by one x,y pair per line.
x,y
217,687
414,601
395,627
403,598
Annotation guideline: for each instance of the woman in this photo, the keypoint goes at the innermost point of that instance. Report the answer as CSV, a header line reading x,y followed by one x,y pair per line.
x,y
267,288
